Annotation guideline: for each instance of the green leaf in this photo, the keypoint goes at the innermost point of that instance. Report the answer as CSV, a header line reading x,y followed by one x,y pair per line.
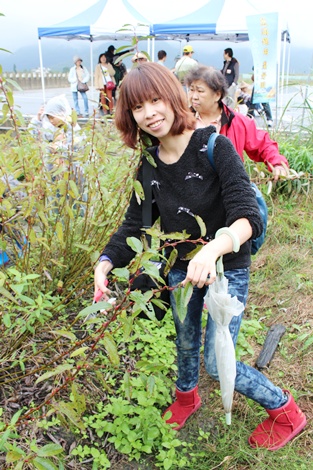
x,y
67,410
182,296
171,261
27,300
134,244
4,438
151,269
58,370
79,400
175,236
121,273
94,308
65,333
127,385
43,218
7,294
49,450
150,158
151,384
111,349
139,190
43,464
14,455
15,417
308,343
192,253
79,351
59,232
7,320
74,189
201,225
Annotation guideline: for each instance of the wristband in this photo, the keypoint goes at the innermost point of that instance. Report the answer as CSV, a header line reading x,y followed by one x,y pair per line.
x,y
236,246
232,234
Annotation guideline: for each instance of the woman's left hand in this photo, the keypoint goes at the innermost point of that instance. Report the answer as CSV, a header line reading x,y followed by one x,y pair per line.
x,y
202,268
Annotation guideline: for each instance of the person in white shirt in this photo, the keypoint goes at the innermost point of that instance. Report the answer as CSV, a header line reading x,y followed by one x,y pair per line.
x,y
79,72
162,55
185,64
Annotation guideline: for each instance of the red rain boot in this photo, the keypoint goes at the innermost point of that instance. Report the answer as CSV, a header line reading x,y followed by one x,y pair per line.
x,y
283,424
185,405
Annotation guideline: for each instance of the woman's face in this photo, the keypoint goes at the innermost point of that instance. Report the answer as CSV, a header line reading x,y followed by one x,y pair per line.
x,y
155,117
202,98
103,59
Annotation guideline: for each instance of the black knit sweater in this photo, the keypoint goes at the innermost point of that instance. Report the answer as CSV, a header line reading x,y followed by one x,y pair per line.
x,y
192,187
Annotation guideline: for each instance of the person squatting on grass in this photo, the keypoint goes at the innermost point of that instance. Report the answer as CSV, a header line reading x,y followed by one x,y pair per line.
x,y
184,184
61,137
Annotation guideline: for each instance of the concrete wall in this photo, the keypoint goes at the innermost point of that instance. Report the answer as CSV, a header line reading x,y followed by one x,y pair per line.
x,y
32,80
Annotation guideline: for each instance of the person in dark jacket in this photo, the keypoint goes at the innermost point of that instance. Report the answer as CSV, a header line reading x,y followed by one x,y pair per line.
x,y
112,55
186,189
230,71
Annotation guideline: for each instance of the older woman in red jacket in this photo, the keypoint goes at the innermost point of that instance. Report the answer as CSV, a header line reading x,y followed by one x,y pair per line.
x,y
207,88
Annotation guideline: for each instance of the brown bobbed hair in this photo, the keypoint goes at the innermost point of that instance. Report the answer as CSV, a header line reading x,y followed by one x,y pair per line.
x,y
213,78
143,83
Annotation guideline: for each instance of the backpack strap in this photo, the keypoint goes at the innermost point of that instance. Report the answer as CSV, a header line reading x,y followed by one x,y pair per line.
x,y
147,202
210,149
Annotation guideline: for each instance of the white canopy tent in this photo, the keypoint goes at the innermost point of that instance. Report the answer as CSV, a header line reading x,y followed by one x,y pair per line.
x,y
226,20
106,19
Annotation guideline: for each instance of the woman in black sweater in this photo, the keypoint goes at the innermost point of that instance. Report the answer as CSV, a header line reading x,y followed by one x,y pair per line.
x,y
186,189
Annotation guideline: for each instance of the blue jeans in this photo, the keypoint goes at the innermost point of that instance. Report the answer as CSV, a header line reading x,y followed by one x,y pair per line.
x,y
249,381
76,105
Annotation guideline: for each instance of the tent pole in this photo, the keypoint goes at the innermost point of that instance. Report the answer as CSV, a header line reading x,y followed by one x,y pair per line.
x,y
41,72
91,66
153,49
283,68
288,66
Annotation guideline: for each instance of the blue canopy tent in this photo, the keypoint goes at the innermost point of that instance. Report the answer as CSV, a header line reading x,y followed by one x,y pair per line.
x,y
199,24
106,19
225,20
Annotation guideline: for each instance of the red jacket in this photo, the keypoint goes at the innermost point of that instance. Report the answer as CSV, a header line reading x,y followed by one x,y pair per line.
x,y
245,136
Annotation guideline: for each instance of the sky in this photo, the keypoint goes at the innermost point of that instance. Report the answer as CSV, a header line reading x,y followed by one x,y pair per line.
x,y
18,27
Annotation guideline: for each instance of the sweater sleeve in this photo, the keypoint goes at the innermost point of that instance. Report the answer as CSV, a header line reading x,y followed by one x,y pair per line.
x,y
238,196
117,249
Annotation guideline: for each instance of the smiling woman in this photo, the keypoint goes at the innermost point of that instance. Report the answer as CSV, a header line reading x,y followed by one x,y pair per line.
x,y
150,87
187,190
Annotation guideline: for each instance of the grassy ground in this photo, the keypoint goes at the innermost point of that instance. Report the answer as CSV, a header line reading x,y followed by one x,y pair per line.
x,y
281,291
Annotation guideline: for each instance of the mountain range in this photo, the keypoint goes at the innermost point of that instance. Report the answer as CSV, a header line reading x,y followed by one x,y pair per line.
x,y
57,55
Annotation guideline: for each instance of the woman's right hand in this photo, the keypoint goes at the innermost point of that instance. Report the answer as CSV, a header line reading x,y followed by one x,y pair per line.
x,y
101,272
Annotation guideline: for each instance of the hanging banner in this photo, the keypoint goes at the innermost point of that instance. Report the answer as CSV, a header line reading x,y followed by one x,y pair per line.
x,y
263,39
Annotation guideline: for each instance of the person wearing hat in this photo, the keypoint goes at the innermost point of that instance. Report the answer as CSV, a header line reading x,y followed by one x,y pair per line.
x,y
244,96
139,58
185,64
79,73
